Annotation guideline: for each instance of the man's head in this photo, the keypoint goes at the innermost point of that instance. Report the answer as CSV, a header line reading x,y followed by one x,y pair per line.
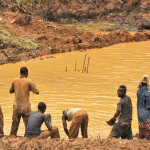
x,y
144,81
64,112
42,107
24,71
122,91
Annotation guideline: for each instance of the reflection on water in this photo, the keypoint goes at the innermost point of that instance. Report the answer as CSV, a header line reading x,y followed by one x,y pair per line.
x,y
94,91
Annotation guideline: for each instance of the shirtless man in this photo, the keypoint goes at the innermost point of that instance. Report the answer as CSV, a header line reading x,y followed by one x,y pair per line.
x,y
21,87
79,119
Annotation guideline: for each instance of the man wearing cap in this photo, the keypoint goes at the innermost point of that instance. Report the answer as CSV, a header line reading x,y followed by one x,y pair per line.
x,y
21,87
35,121
124,114
79,119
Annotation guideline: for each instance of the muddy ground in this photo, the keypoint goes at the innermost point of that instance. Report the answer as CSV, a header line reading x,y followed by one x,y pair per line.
x,y
9,143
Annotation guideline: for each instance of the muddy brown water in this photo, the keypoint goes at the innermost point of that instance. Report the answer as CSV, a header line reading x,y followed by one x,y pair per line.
x,y
94,91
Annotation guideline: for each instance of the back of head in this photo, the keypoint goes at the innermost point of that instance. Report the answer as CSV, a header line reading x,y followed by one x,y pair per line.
x,y
42,107
24,71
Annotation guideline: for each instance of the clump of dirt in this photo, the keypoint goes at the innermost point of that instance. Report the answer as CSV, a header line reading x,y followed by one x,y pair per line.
x,y
22,143
39,37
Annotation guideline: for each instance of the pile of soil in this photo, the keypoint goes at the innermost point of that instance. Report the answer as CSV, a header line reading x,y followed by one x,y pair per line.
x,y
131,12
53,38
9,143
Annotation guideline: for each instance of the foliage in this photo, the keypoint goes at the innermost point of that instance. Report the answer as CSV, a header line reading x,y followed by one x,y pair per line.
x,y
21,42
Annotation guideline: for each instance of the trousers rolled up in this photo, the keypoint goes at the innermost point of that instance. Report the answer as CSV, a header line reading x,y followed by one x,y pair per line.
x,y
54,133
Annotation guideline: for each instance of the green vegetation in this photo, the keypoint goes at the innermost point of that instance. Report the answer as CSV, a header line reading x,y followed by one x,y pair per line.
x,y
28,43
18,42
94,27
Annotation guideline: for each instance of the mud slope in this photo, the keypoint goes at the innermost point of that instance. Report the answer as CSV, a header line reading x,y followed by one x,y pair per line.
x,y
23,38
132,12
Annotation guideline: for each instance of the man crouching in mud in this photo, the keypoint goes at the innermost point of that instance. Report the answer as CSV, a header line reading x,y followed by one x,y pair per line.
x,y
124,114
35,121
79,119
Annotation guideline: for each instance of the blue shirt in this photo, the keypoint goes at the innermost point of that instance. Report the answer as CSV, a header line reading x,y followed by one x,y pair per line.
x,y
35,121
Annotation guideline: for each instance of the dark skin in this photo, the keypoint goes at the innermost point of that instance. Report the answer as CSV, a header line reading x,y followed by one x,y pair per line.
x,y
43,111
121,93
21,76
64,121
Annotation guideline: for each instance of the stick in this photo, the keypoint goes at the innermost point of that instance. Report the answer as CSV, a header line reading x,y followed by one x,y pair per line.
x,y
84,63
75,66
66,68
84,69
88,65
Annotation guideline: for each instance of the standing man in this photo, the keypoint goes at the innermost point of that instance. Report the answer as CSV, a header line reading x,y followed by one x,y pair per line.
x,y
35,121
79,119
21,87
124,114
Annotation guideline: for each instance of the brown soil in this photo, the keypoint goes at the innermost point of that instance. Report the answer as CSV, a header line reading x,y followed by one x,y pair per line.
x,y
131,12
54,38
9,143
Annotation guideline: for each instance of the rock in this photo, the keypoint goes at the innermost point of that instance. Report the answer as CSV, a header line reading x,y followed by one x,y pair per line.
x,y
42,37
76,40
23,21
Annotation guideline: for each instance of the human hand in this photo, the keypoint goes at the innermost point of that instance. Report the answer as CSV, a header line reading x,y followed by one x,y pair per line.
x,y
111,122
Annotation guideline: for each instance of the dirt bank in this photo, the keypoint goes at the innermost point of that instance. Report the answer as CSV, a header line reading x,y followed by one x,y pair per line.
x,y
23,38
9,143
131,12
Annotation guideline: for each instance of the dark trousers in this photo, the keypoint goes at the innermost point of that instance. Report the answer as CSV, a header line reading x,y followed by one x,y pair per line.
x,y
16,121
1,122
121,129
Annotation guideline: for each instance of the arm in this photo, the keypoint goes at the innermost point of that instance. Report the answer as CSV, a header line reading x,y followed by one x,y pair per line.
x,y
146,98
48,122
33,88
112,121
65,124
116,115
12,90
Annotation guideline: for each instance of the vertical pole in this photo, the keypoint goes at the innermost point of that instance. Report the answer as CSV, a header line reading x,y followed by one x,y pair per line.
x,y
84,63
66,68
75,69
88,65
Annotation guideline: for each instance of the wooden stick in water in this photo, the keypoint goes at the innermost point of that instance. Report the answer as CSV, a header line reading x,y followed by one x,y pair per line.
x,y
84,63
75,66
88,65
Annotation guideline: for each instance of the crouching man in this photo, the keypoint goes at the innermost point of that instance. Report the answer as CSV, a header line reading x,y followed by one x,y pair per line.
x,y
35,121
79,119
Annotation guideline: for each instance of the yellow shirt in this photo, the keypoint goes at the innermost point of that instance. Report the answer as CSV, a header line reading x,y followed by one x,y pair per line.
x,y
22,87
